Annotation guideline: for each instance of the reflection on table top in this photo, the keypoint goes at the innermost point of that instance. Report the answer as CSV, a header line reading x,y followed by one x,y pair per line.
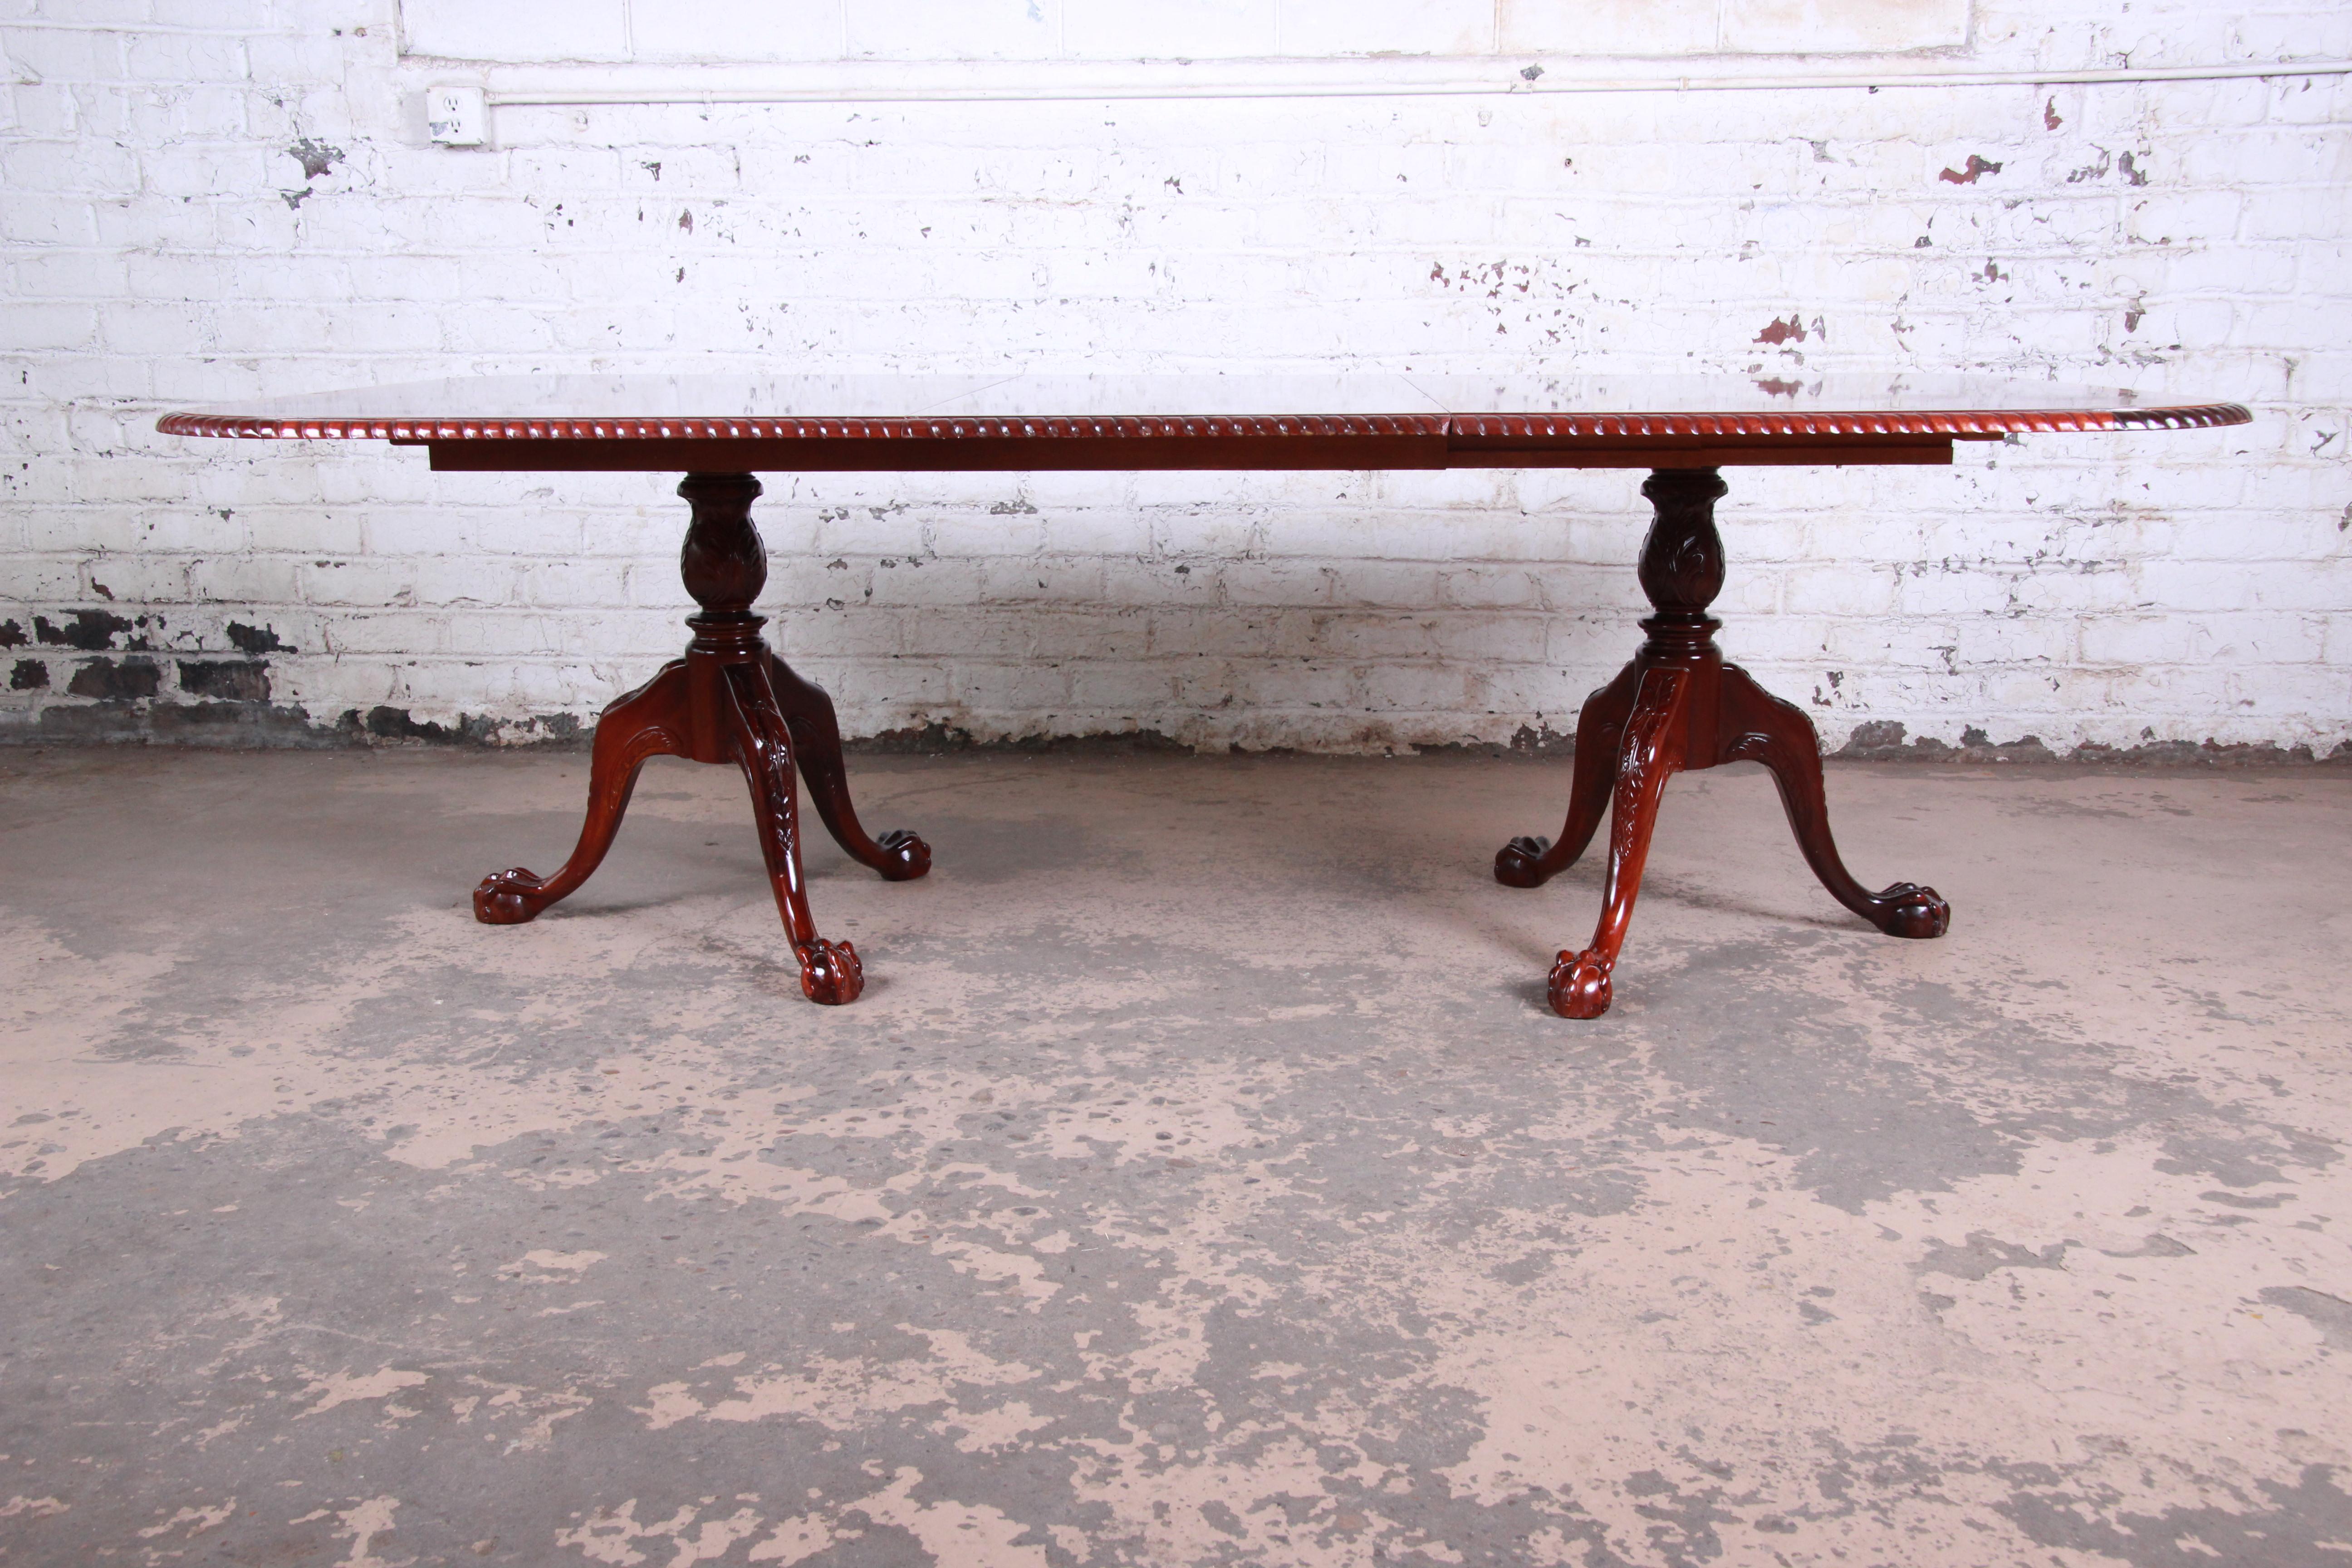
x,y
1371,403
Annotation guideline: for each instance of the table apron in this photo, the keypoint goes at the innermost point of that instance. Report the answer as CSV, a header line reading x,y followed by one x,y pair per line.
x,y
1691,451
968,453
1139,453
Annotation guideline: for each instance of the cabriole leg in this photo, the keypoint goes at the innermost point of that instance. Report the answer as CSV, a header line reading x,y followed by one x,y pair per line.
x,y
1777,733
756,734
1531,859
651,721
1579,986
898,853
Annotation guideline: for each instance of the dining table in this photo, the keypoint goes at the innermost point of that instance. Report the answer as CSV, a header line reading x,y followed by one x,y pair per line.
x,y
1675,707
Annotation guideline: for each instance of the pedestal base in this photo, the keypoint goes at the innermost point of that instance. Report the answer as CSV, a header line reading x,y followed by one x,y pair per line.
x,y
729,700
1678,706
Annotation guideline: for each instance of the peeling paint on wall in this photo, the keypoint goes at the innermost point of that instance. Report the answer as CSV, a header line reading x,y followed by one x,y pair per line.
x,y
2180,239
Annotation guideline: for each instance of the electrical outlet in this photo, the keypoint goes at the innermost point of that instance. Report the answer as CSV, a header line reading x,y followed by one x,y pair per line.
x,y
457,116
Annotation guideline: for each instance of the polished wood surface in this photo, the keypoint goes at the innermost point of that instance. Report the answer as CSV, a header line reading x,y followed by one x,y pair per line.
x,y
1359,419
1678,707
729,700
1136,454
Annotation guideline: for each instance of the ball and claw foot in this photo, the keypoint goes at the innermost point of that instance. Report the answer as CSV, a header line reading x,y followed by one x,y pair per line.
x,y
910,857
830,971
1515,863
508,897
1914,912
1579,986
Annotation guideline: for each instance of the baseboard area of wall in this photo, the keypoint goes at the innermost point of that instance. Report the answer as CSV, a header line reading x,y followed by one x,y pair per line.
x,y
265,726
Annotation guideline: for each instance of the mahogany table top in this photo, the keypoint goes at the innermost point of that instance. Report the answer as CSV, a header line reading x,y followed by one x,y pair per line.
x,y
1369,419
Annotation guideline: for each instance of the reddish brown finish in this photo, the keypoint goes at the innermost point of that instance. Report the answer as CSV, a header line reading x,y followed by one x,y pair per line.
x,y
1531,861
1650,751
1697,451
656,719
897,855
1599,427
729,700
1676,706
1127,427
1962,424
972,455
1679,707
532,427
1140,453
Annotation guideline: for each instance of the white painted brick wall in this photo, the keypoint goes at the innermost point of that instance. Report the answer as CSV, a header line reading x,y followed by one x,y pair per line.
x,y
165,247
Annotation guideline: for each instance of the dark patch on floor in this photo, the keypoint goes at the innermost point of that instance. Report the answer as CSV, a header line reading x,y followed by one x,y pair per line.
x,y
1200,1182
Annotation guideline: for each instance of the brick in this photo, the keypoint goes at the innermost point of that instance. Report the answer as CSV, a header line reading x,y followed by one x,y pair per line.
x,y
1216,634
1838,589
28,327
65,274
1484,640
154,256
2284,697
1368,635
1040,581
160,583
134,531
1296,684
1490,588
403,633
1414,688
1026,689
960,534
1405,585
184,57
40,580
67,53
1269,583
60,221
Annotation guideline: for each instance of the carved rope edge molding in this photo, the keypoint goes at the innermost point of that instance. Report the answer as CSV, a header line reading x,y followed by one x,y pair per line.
x,y
1560,426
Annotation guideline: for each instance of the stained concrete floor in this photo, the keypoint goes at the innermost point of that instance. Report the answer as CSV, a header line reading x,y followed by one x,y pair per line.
x,y
1200,1181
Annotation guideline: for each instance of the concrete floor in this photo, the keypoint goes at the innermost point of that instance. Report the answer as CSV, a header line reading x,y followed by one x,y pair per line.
x,y
1200,1181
